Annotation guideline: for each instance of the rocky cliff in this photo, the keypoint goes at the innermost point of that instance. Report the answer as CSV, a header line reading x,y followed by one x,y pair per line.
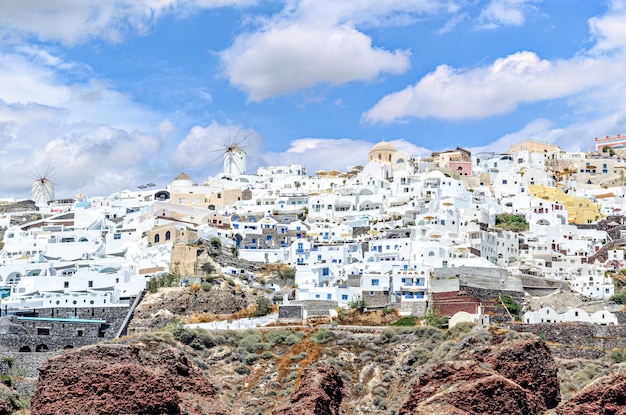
x,y
327,371
520,376
124,379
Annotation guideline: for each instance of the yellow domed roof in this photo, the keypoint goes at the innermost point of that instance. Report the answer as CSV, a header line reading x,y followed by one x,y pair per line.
x,y
383,146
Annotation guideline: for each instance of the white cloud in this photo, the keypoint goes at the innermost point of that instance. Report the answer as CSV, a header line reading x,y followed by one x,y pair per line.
x,y
609,31
201,151
589,80
506,13
72,22
285,59
312,42
313,153
79,154
495,89
369,12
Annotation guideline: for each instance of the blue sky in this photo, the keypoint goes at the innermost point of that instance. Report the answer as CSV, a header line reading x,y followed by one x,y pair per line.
x,y
107,95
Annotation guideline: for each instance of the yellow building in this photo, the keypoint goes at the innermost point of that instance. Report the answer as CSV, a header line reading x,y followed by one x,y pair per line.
x,y
534,146
579,209
382,152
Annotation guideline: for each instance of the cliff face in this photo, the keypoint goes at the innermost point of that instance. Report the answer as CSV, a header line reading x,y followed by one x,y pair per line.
x,y
320,393
605,397
420,370
122,379
520,376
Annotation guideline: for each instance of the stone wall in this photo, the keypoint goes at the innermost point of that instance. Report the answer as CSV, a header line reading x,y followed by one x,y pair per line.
x,y
414,308
375,299
290,312
25,371
61,328
577,334
317,307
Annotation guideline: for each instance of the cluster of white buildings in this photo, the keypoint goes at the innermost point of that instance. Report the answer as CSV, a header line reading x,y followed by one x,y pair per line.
x,y
374,232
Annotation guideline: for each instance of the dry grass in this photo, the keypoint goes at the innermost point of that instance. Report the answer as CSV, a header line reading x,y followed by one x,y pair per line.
x,y
209,317
312,350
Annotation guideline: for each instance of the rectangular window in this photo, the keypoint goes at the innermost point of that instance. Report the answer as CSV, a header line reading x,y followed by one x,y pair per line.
x,y
325,272
90,284
43,331
375,282
117,236
329,296
66,284
344,297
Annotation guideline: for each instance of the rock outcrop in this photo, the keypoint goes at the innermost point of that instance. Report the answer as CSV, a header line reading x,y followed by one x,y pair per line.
x,y
320,393
158,310
605,397
516,378
123,379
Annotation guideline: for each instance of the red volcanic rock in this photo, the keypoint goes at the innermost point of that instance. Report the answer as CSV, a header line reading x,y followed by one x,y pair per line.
x,y
320,393
531,365
122,379
607,397
518,378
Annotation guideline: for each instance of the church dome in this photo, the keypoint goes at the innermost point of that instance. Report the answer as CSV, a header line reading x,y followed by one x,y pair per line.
x,y
382,152
383,146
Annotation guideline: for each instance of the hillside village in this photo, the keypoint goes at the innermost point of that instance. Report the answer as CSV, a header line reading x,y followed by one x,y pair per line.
x,y
457,233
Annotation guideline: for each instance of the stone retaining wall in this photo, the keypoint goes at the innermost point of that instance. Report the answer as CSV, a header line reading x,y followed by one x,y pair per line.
x,y
577,334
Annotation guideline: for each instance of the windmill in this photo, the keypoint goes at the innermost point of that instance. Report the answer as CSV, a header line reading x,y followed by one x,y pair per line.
x,y
233,155
42,188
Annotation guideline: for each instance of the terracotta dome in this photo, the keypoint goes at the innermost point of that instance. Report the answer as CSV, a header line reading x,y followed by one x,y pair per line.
x,y
383,146
382,152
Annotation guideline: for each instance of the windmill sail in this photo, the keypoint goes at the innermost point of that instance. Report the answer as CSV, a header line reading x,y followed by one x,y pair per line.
x,y
42,189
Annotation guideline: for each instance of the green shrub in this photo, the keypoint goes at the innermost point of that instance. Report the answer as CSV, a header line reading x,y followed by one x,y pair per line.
x,y
184,335
322,336
419,356
8,360
275,337
206,286
294,338
425,332
250,359
266,355
380,391
618,355
433,318
298,357
197,343
215,242
210,340
263,307
162,280
405,321
242,370
358,303
511,222
459,330
6,380
387,336
252,341
620,296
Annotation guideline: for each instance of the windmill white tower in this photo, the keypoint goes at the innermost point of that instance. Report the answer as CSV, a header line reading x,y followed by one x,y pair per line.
x,y
42,190
234,160
233,155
